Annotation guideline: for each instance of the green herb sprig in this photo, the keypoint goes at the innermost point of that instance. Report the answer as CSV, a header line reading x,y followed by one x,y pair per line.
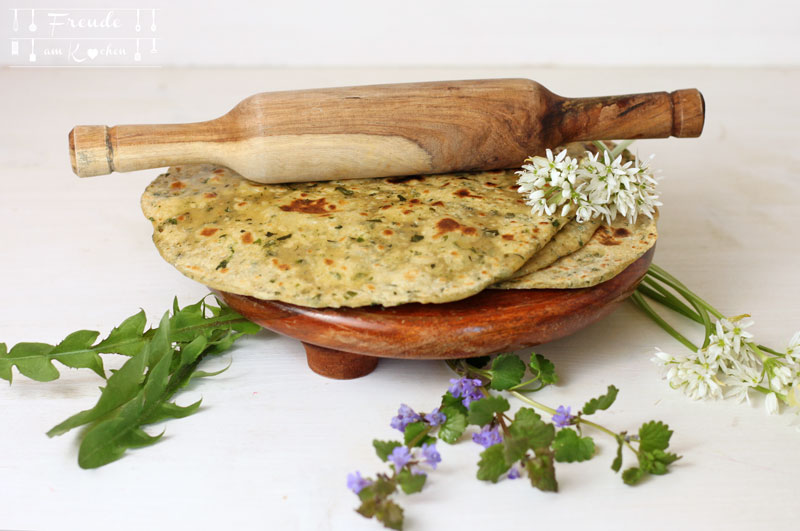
x,y
526,443
161,361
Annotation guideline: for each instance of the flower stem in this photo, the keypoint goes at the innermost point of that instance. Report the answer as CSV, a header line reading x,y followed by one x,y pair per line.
x,y
639,301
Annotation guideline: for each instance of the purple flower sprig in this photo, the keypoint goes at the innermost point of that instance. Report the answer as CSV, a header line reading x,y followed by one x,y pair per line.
x,y
562,417
469,389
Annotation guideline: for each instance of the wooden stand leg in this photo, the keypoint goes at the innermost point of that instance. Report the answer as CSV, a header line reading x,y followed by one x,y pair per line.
x,y
337,364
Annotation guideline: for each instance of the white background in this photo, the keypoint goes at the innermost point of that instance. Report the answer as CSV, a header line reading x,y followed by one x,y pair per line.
x,y
273,442
465,32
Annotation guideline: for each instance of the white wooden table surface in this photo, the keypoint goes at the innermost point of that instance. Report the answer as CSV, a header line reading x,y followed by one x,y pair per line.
x,y
274,442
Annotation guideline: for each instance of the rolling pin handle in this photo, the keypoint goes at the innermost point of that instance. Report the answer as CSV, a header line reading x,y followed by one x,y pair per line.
x,y
90,150
688,113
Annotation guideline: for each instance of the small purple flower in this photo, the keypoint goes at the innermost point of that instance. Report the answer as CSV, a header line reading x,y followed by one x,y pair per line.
x,y
405,416
417,471
430,455
487,437
466,388
435,417
356,483
400,456
513,473
562,418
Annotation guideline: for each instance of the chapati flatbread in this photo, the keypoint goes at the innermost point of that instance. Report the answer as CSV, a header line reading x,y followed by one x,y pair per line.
x,y
572,237
345,243
609,251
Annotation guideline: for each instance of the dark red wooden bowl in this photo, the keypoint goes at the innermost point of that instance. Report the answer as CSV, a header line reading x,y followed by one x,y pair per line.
x,y
347,342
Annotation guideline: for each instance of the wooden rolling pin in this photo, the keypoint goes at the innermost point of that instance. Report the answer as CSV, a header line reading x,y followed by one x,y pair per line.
x,y
386,130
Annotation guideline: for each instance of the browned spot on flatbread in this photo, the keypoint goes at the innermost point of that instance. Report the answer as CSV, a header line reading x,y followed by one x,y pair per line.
x,y
388,232
208,231
219,171
489,183
605,237
414,201
247,238
177,185
437,203
384,207
508,236
446,225
621,232
307,206
209,195
463,192
328,261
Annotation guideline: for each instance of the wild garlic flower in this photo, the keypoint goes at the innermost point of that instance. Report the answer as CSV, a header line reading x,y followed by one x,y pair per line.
x,y
695,375
594,186
793,348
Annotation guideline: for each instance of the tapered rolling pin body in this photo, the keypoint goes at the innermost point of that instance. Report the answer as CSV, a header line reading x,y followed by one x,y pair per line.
x,y
387,130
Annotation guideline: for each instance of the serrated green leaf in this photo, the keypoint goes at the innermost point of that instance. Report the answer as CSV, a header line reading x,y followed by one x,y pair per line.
x,y
656,461
368,505
31,360
617,463
206,374
543,369
542,472
507,371
570,448
529,425
76,351
126,339
481,412
410,482
492,464
413,433
122,386
601,402
384,448
5,364
654,435
171,410
454,425
632,476
389,514
514,449
448,400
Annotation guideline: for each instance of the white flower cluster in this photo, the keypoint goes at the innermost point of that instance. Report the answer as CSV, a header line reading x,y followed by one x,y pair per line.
x,y
731,361
594,186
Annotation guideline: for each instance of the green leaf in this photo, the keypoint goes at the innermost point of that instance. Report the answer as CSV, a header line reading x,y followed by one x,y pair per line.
x,y
656,461
617,463
410,482
542,472
76,351
122,386
126,339
492,464
507,371
32,360
390,514
481,412
570,448
453,427
171,410
5,364
448,400
601,402
384,448
543,369
654,435
413,431
632,475
514,448
529,425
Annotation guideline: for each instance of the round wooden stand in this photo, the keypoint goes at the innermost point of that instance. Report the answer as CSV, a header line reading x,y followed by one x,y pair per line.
x,y
347,342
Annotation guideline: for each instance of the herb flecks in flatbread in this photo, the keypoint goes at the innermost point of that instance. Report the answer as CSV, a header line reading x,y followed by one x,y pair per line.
x,y
345,243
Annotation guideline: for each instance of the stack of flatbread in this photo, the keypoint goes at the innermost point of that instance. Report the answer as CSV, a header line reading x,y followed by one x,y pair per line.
x,y
390,241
